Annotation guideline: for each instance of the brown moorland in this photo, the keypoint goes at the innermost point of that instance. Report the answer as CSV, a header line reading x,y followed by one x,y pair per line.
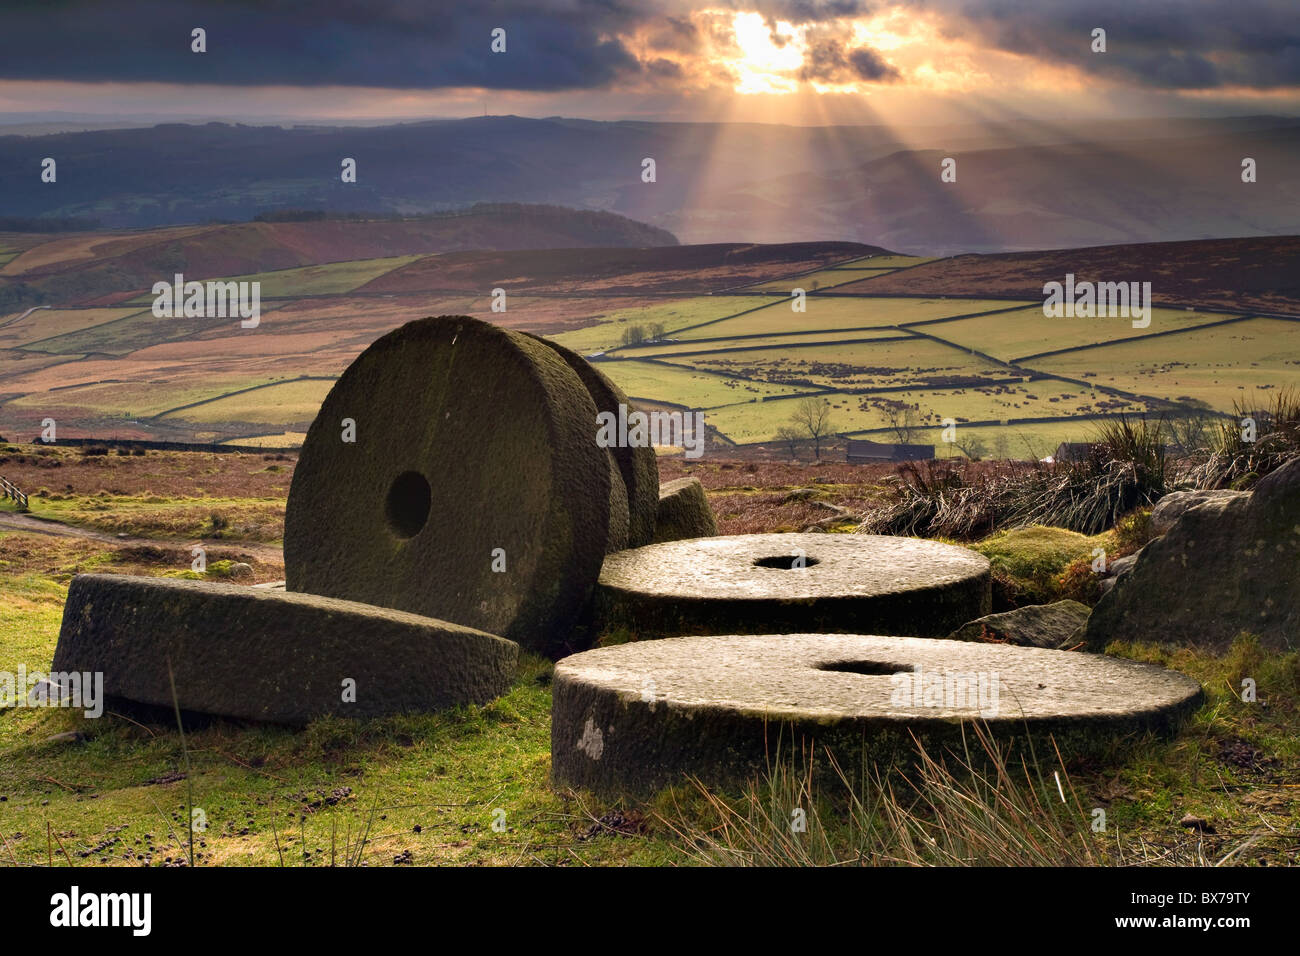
x,y
1258,273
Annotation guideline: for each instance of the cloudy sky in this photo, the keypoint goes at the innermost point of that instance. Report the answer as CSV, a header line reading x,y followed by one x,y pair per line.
x,y
796,61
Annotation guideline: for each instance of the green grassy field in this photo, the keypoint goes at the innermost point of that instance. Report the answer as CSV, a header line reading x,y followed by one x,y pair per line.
x,y
829,312
332,278
46,324
858,412
1219,365
685,386
140,399
138,330
1027,332
295,401
719,352
674,314
709,346
860,365
825,279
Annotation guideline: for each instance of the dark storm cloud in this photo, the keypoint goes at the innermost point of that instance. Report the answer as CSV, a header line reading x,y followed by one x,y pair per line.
x,y
1164,44
581,44
867,64
383,43
829,61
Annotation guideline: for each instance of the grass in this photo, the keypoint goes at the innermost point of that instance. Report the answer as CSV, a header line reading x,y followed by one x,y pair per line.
x,y
830,312
707,346
426,789
920,362
332,278
133,400
49,323
1028,332
1125,469
153,516
1220,366
693,388
1237,463
295,401
675,314
865,416
825,279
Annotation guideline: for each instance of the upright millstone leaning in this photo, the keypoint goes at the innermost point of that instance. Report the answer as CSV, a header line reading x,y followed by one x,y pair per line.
x,y
453,472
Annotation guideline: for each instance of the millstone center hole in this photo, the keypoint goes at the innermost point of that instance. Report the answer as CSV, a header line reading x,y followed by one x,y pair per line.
x,y
786,562
869,668
407,506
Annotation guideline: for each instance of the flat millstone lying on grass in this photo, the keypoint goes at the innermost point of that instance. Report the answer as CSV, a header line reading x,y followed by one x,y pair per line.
x,y
475,491
638,717
751,583
259,654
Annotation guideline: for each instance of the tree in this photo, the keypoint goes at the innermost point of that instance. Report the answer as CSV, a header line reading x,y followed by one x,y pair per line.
x,y
813,415
903,420
791,435
972,448
657,332
1190,430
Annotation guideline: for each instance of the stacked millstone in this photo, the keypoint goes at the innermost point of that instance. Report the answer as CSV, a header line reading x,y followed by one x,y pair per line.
x,y
450,503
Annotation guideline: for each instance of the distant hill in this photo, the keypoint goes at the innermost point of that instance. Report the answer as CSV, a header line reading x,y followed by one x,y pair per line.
x,y
1260,274
86,266
1020,184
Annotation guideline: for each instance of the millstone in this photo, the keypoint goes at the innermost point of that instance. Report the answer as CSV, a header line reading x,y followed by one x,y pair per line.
x,y
260,654
474,451
684,512
637,465
752,583
639,717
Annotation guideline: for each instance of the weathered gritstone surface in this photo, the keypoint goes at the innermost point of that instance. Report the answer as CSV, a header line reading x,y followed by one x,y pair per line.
x,y
746,583
638,467
684,512
1228,565
259,654
638,717
474,446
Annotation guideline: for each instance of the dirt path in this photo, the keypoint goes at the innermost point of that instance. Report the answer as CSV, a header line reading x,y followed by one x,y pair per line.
x,y
9,521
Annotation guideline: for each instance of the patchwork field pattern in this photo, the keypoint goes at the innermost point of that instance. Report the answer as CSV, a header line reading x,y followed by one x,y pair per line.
x,y
892,347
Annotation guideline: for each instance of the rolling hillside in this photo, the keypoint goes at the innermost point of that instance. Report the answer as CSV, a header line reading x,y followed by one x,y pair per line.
x,y
1020,184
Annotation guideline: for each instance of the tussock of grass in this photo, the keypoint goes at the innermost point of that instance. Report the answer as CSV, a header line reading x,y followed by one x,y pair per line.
x,y
977,808
1233,462
1125,469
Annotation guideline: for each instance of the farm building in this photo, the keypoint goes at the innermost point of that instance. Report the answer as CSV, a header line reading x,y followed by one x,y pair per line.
x,y
1072,451
863,451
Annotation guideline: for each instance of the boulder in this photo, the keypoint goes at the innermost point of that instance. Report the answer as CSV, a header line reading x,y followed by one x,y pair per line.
x,y
472,490
683,512
1228,565
1177,503
259,654
1038,625
1117,569
638,717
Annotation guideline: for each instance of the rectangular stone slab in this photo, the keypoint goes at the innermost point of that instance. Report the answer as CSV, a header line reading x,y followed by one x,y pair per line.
x,y
267,655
